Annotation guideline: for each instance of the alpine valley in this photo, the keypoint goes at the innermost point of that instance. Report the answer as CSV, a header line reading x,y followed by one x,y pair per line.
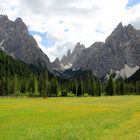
x,y
110,67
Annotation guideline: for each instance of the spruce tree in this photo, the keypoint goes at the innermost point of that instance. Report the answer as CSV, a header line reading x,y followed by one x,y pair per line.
x,y
122,87
36,93
98,89
110,87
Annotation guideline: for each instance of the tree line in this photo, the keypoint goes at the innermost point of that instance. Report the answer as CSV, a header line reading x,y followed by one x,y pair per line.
x,y
18,78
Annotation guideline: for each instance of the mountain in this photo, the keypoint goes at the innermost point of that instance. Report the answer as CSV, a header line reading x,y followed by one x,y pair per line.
x,y
135,76
120,51
70,74
67,60
74,55
16,41
10,66
56,64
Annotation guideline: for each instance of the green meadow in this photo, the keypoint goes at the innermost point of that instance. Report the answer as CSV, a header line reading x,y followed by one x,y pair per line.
x,y
70,118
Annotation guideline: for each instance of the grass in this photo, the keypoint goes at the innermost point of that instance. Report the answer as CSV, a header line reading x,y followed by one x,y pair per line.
x,y
89,118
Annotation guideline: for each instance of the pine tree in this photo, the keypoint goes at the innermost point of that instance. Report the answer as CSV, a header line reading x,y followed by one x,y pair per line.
x,y
75,87
79,90
98,90
2,86
110,87
15,88
54,87
36,93
122,87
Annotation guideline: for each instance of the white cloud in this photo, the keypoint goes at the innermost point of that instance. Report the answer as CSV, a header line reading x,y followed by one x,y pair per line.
x,y
87,21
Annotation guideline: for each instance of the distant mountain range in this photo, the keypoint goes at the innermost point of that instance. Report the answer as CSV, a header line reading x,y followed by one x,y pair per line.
x,y
119,54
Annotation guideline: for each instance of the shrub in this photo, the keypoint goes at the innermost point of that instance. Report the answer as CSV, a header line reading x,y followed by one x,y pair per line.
x,y
70,94
63,93
86,95
59,94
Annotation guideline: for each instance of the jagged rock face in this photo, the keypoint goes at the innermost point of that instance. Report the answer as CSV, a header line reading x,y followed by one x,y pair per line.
x,y
16,40
68,60
72,57
124,43
79,48
56,64
120,48
126,47
92,58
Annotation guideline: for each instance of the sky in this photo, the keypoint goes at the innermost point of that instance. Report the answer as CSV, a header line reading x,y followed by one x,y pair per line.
x,y
57,25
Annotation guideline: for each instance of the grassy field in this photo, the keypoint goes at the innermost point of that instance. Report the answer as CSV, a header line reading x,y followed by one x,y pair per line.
x,y
89,118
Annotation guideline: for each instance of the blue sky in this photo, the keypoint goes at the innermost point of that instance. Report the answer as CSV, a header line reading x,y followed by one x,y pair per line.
x,y
132,3
44,41
57,25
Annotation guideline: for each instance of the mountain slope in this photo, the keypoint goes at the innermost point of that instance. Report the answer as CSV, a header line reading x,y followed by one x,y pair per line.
x,y
10,66
16,41
135,76
121,48
78,75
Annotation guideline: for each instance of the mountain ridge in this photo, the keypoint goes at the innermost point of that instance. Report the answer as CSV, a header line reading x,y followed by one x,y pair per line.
x,y
16,41
121,48
119,52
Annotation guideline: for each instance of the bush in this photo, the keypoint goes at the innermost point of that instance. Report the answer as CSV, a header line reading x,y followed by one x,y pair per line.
x,y
63,93
59,93
70,94
86,95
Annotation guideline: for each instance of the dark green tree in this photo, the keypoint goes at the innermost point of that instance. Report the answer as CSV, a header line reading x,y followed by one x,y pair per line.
x,y
110,87
98,89
122,87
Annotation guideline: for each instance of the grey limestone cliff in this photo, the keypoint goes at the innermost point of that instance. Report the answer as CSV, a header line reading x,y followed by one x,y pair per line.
x,y
16,41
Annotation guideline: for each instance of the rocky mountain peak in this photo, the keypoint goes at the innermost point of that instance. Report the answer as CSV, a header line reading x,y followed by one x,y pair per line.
x,y
78,47
121,48
3,21
68,60
56,64
118,35
69,53
21,26
122,33
130,27
75,53
16,40
65,60
132,32
119,30
18,20
4,17
119,26
57,60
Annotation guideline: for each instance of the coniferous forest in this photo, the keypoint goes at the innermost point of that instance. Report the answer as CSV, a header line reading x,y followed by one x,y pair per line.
x,y
20,79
